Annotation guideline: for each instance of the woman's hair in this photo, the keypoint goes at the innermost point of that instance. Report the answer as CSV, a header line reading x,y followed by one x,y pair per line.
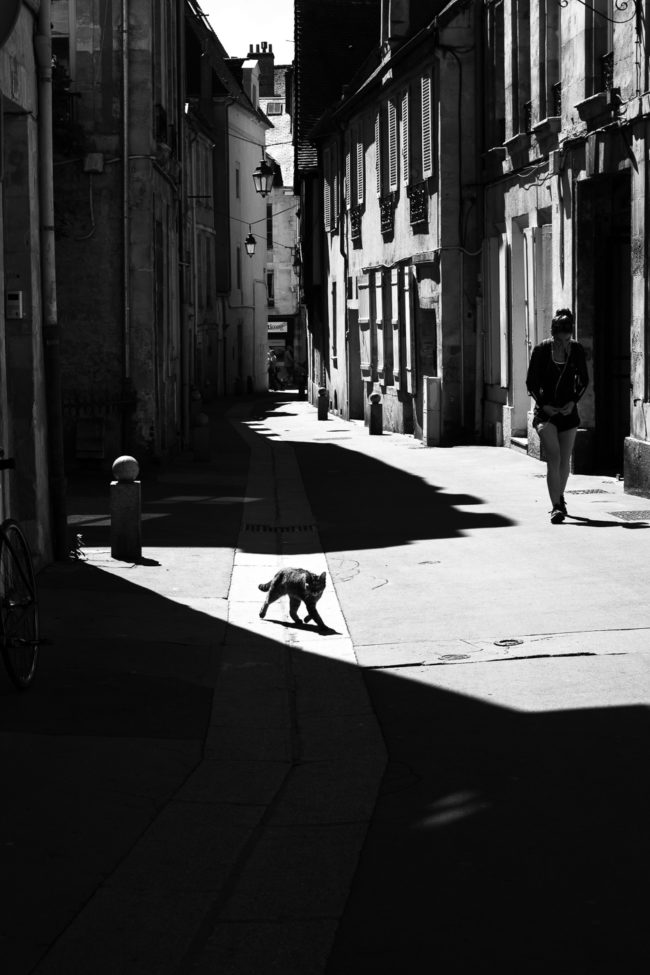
x,y
562,321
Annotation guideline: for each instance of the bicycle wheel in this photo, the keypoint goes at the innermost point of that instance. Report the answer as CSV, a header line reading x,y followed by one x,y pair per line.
x,y
18,606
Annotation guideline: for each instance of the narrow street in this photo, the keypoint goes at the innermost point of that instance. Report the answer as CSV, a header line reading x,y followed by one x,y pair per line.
x,y
453,778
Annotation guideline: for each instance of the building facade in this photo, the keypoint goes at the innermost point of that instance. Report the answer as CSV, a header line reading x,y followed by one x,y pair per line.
x,y
28,428
485,166
393,299
157,133
566,128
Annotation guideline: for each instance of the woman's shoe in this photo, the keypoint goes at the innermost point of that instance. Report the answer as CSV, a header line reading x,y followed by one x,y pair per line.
x,y
562,505
557,515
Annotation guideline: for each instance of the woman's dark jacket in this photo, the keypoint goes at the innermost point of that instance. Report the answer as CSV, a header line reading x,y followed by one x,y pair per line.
x,y
553,385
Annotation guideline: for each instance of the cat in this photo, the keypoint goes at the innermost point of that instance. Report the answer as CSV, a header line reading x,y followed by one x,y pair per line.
x,y
299,585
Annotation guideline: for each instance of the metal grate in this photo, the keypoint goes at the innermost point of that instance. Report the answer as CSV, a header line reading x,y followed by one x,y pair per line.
x,y
631,515
589,491
278,528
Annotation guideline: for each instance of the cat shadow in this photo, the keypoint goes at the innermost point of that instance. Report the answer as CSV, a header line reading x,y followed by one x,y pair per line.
x,y
323,631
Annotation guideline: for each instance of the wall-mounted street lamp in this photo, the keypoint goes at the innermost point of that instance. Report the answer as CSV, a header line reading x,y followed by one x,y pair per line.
x,y
263,178
249,243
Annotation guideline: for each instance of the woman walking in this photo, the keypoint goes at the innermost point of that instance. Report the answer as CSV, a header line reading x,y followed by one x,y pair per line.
x,y
557,378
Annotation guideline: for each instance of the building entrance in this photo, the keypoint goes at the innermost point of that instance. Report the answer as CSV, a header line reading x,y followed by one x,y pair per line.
x,y
606,264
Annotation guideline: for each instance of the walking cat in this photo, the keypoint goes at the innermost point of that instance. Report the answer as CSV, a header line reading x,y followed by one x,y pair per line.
x,y
299,585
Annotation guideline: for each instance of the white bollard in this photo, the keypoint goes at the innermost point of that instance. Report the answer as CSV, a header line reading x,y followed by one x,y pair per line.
x,y
125,507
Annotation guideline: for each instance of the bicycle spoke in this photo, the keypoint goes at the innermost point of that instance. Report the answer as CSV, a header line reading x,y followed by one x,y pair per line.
x,y
18,608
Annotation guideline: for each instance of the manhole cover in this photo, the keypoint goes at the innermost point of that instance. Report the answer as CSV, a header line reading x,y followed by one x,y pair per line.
x,y
454,656
508,643
589,491
631,515
279,528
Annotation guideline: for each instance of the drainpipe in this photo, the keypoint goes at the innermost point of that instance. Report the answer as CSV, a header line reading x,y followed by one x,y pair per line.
x,y
126,228
50,325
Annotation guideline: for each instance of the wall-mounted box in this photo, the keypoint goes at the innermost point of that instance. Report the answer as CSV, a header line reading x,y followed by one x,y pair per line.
x,y
14,304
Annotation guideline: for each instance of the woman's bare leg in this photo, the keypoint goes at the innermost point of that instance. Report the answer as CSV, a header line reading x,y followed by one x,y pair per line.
x,y
567,439
548,434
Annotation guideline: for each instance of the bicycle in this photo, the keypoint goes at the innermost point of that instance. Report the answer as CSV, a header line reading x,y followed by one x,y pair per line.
x,y
19,639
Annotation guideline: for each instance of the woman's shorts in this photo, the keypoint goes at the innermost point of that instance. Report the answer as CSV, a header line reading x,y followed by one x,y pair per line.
x,y
563,423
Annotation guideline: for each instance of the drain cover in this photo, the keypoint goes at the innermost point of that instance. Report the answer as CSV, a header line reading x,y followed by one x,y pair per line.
x,y
279,528
589,491
454,656
631,515
508,643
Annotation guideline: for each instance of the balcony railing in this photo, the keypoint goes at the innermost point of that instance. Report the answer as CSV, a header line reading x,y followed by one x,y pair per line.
x,y
355,222
387,213
607,71
418,203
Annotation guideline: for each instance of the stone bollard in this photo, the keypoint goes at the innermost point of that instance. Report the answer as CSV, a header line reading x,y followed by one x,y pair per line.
x,y
376,427
200,436
126,523
323,403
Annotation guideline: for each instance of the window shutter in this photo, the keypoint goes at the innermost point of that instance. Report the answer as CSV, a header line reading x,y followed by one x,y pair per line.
x,y
378,153
360,168
409,377
393,166
406,162
379,324
427,148
348,175
335,189
327,209
365,354
395,321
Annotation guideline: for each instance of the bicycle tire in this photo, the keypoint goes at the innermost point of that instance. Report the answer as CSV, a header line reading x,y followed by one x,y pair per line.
x,y
18,606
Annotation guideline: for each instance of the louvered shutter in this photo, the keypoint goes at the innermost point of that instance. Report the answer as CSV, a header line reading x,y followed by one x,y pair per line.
x,y
427,147
365,352
409,377
393,167
395,321
378,154
360,168
335,188
406,161
327,207
379,325
348,174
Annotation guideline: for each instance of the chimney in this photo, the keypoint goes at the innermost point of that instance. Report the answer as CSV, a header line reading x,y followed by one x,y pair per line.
x,y
266,60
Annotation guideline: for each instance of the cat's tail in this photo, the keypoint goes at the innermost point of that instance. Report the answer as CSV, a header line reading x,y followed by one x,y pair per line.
x,y
264,586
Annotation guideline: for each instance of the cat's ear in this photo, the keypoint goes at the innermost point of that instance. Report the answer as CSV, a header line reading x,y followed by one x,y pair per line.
x,y
322,577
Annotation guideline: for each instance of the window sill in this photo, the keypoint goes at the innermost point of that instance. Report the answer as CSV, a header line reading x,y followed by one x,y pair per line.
x,y
595,106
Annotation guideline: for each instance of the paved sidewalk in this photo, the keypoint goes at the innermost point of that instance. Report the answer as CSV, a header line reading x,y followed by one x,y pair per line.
x,y
192,789
187,768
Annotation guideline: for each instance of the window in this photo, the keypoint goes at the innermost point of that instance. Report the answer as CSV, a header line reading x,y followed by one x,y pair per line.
x,y
237,182
495,111
270,288
269,226
393,163
549,68
274,108
520,65
598,41
426,128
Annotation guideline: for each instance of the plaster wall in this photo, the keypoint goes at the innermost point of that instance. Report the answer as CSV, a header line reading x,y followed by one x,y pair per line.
x,y
23,427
